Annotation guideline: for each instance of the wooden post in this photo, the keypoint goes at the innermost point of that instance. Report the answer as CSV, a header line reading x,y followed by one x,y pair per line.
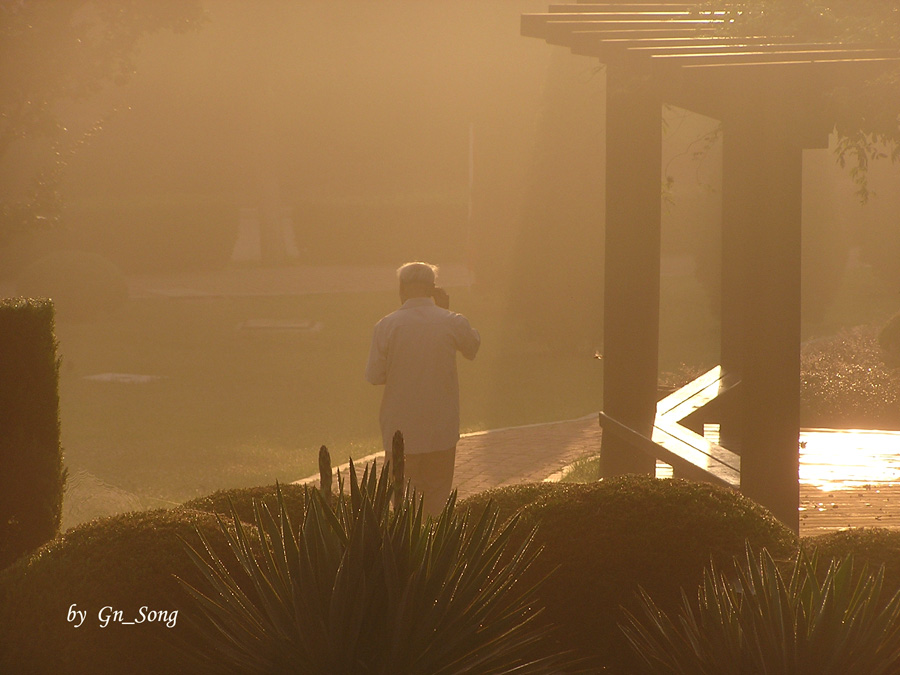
x,y
326,477
398,469
762,189
631,302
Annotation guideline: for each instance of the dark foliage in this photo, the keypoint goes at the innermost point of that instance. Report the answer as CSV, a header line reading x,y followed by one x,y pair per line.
x,y
872,546
31,471
125,562
602,540
864,107
845,383
509,500
242,499
755,617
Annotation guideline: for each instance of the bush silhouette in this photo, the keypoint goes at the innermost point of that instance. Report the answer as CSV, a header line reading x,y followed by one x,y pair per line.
x,y
603,540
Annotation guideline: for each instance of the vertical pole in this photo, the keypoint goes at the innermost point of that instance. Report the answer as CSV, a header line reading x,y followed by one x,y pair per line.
x,y
762,189
631,301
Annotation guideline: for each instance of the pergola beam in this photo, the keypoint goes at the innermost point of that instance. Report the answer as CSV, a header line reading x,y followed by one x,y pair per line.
x,y
623,7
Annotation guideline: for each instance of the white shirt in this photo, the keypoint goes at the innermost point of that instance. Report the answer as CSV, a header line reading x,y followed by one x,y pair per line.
x,y
414,355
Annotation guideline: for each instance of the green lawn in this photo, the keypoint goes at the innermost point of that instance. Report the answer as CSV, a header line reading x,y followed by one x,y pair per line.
x,y
238,408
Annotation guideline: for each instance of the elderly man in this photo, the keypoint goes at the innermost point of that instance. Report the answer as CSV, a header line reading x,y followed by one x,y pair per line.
x,y
413,355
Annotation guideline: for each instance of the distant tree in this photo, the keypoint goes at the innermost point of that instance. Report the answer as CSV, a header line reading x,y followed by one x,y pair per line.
x,y
58,51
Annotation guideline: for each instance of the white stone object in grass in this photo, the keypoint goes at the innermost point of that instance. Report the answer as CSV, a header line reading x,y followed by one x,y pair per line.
x,y
124,378
291,326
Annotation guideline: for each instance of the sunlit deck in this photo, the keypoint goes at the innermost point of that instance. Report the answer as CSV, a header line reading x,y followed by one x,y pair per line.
x,y
848,478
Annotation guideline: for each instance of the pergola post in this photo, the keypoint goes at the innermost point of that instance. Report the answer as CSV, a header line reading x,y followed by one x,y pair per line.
x,y
631,301
761,208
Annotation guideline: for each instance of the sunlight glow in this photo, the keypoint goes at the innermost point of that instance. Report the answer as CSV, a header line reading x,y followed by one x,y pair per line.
x,y
836,459
833,459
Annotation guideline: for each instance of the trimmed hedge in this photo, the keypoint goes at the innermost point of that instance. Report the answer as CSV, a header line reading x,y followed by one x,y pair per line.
x,y
603,540
32,477
242,498
874,546
124,563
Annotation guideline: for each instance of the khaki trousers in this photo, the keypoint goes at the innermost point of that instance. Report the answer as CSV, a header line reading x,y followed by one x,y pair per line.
x,y
430,474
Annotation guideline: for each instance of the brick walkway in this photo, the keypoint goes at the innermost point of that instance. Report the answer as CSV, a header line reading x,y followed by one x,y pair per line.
x,y
531,453
526,454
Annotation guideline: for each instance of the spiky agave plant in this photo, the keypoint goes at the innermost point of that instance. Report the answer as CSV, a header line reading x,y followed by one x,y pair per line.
x,y
364,588
762,622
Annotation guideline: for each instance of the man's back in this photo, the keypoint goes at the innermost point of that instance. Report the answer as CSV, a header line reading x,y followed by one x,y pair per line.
x,y
414,355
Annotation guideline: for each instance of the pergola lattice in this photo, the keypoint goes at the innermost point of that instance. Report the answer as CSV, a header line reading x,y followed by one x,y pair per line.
x,y
771,94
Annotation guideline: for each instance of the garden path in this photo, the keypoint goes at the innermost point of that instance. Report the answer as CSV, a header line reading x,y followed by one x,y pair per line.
x,y
530,453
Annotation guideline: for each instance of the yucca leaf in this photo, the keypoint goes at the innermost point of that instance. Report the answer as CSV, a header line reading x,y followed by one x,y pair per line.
x,y
802,626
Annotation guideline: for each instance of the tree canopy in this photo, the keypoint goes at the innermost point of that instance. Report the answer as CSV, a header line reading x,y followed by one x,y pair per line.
x,y
55,51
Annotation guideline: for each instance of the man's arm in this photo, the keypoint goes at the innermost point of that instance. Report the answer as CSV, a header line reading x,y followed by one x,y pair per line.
x,y
468,339
376,368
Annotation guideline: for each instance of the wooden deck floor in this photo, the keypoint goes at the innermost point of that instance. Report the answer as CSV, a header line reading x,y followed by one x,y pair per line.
x,y
848,478
875,505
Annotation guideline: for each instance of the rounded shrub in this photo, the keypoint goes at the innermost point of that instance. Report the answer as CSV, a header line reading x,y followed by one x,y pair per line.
x,y
121,563
82,285
872,546
508,500
603,541
220,502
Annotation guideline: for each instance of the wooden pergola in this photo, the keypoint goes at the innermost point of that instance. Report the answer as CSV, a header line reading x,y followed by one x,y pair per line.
x,y
770,93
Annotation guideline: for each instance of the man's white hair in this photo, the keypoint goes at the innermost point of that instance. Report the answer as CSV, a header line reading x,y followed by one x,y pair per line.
x,y
417,273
